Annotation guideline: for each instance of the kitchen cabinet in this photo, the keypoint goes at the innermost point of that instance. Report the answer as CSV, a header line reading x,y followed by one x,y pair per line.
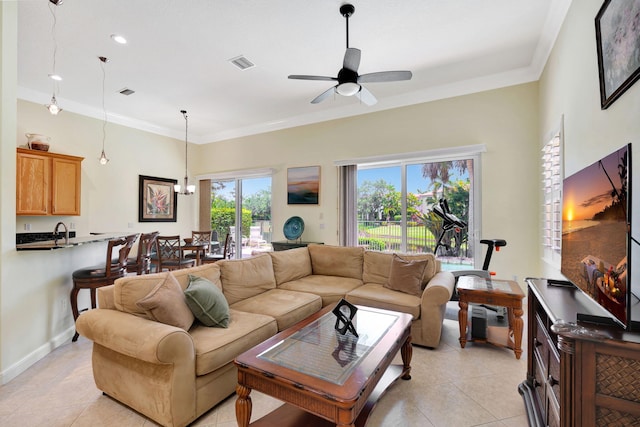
x,y
47,183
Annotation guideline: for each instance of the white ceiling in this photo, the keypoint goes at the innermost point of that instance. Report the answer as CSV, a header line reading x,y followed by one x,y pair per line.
x,y
178,51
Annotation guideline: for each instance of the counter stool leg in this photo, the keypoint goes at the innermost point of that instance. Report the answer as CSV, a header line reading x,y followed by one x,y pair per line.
x,y
74,309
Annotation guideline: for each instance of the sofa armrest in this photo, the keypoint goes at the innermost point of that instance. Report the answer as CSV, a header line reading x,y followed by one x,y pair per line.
x,y
136,337
433,306
106,298
439,289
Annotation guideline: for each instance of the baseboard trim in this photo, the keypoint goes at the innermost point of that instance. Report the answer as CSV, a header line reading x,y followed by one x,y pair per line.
x,y
35,356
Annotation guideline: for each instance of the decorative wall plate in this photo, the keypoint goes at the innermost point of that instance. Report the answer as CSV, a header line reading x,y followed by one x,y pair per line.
x,y
293,228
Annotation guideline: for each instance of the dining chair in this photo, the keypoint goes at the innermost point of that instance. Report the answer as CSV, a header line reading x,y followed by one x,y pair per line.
x,y
141,264
199,238
101,275
226,253
169,251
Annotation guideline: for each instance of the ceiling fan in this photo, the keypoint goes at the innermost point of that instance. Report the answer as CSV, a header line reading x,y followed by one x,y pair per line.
x,y
349,81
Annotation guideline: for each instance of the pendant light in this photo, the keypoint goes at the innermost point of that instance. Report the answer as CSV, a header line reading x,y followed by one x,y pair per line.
x,y
103,157
53,106
187,190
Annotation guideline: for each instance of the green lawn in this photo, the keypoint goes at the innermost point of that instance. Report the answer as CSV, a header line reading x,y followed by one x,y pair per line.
x,y
416,236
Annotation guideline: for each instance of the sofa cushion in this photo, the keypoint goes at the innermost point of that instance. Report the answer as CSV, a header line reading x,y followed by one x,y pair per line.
x,y
244,278
331,288
376,295
216,347
166,304
287,307
291,265
406,276
342,261
211,272
206,302
377,266
129,289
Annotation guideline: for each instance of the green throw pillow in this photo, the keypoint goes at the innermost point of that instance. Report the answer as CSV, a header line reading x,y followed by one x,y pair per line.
x,y
207,303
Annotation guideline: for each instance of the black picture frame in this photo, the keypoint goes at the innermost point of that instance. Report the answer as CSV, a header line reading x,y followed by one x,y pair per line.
x,y
158,201
618,44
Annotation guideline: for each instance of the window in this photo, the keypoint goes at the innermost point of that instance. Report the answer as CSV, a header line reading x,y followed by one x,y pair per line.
x,y
395,200
552,197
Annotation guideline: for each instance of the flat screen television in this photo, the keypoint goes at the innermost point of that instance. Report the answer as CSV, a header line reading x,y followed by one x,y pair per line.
x,y
596,230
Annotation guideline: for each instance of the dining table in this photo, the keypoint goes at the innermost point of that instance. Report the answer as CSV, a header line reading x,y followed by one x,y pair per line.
x,y
200,249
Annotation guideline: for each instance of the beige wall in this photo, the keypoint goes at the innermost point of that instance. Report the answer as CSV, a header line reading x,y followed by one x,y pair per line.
x,y
511,122
505,120
569,86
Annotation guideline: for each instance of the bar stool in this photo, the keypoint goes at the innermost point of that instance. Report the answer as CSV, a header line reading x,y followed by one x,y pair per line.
x,y
101,275
170,254
141,264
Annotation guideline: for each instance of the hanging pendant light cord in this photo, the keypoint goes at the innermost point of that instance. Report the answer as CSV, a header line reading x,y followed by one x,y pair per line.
x,y
186,132
103,157
53,37
104,110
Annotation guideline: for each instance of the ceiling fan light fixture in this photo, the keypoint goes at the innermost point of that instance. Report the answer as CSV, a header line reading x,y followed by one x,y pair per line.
x,y
118,39
348,88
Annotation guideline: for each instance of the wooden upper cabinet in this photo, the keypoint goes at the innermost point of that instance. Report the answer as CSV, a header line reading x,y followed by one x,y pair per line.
x,y
47,183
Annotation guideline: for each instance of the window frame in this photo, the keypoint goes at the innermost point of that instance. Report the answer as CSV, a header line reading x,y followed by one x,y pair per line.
x,y
431,156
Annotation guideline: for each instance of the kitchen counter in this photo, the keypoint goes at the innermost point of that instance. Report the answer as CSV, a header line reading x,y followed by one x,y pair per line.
x,y
61,244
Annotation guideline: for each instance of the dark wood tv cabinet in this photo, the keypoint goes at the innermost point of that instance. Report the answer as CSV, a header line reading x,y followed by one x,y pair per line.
x,y
578,374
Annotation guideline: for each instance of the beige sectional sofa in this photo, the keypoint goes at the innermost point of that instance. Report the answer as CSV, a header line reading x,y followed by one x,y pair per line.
x,y
173,375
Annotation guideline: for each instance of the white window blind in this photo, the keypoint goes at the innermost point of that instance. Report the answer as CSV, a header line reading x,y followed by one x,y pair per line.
x,y
552,197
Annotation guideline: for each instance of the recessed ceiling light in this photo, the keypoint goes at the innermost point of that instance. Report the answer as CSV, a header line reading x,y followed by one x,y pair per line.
x,y
118,39
55,77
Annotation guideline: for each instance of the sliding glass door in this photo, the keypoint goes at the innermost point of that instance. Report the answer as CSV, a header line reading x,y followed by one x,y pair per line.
x,y
242,208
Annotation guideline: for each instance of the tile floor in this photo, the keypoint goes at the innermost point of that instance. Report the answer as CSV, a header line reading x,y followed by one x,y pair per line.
x,y
450,386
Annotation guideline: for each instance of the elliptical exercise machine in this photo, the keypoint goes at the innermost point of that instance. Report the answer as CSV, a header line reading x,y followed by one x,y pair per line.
x,y
449,222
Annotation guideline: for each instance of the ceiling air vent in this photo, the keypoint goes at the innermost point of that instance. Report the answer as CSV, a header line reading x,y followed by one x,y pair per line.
x,y
242,63
127,91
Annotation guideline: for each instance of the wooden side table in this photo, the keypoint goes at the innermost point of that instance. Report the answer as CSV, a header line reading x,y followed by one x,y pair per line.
x,y
504,293
291,244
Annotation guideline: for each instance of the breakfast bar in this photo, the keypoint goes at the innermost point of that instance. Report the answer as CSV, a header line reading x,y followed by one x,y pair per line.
x,y
61,242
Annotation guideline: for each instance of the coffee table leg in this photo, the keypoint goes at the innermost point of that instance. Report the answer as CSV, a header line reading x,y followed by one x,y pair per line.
x,y
462,320
407,353
243,406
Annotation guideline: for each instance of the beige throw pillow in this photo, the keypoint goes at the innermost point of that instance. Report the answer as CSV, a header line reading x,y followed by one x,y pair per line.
x,y
166,304
406,276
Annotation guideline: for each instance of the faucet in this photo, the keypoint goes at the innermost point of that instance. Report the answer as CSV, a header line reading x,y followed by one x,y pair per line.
x,y
66,233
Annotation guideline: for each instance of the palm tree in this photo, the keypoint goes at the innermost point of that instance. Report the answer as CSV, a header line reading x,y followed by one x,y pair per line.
x,y
439,174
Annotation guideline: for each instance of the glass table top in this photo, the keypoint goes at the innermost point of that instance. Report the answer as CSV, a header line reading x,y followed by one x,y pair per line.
x,y
319,350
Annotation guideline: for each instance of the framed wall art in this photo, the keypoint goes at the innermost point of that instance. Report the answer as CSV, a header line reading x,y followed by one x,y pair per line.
x,y
303,185
618,43
158,199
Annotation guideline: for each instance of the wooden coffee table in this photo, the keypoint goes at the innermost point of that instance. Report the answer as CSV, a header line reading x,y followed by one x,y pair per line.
x,y
503,293
323,377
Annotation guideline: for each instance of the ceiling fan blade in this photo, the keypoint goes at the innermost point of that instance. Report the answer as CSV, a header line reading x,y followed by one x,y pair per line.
x,y
365,96
324,95
351,59
385,76
304,77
